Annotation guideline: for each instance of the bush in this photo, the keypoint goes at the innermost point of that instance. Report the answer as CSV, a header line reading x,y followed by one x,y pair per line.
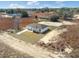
x,y
54,18
24,14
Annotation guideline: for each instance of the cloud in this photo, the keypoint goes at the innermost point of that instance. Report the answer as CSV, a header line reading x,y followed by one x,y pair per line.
x,y
32,3
14,6
59,3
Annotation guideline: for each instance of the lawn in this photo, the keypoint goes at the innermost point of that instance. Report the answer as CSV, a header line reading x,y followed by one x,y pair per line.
x,y
28,36
52,27
31,37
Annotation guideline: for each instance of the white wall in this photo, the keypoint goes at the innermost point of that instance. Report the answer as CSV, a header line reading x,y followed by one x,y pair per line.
x,y
76,16
45,29
41,30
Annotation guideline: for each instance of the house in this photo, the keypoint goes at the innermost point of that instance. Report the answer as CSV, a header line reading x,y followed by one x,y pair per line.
x,y
41,15
30,12
15,15
5,15
76,16
39,28
47,15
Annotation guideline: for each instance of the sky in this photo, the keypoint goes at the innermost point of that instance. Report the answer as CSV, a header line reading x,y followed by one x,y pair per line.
x,y
38,4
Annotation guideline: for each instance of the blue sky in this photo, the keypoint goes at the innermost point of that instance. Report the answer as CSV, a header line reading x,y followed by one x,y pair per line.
x,y
38,4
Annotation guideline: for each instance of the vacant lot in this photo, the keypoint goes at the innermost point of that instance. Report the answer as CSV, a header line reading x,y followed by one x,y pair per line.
x,y
71,37
8,52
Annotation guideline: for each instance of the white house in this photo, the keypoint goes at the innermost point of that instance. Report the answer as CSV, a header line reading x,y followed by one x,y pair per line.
x,y
39,28
76,16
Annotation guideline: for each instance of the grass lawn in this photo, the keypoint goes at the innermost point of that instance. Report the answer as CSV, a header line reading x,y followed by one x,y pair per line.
x,y
28,36
52,28
31,37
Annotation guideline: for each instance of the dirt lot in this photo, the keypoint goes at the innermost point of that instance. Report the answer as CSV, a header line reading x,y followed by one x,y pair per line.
x,y
50,35
32,50
8,52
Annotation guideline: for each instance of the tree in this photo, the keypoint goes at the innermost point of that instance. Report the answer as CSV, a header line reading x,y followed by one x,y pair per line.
x,y
2,10
36,17
10,11
65,13
54,18
24,14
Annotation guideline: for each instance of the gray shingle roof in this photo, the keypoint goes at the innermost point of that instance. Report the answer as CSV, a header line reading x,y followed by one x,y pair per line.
x,y
37,26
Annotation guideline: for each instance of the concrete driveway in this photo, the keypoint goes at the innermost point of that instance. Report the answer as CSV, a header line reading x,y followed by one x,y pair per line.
x,y
23,31
56,24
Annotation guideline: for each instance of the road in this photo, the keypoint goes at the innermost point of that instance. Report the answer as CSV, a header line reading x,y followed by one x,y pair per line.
x,y
30,49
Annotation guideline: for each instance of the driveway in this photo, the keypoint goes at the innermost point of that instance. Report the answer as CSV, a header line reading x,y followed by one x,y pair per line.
x,y
56,24
23,31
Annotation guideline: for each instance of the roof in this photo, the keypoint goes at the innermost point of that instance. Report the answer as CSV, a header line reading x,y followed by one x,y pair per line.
x,y
16,14
45,14
39,26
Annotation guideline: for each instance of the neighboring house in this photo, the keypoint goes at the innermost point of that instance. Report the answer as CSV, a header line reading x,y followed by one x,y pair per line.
x,y
76,16
30,12
5,15
2,13
44,15
39,28
51,16
15,15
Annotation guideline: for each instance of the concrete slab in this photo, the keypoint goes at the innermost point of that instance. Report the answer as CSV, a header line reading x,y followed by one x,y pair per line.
x,y
23,31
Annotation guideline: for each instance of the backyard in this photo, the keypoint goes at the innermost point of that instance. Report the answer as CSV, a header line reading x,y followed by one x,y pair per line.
x,y
28,36
31,36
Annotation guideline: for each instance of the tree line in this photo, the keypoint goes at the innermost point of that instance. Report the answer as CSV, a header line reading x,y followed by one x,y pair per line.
x,y
23,12
62,12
